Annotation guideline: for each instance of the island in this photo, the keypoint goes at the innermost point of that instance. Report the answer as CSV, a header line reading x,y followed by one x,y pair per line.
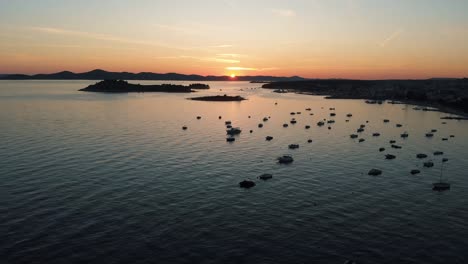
x,y
446,94
218,98
121,86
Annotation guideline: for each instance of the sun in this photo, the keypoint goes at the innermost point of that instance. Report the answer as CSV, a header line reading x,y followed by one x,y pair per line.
x,y
233,75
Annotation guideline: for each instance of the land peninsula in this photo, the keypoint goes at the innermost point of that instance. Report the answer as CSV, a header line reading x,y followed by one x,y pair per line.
x,y
447,94
120,86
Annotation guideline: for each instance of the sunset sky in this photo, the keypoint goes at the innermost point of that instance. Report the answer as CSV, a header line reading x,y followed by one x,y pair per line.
x,y
366,39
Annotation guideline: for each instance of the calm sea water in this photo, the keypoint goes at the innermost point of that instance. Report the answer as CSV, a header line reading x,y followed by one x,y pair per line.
x,y
112,178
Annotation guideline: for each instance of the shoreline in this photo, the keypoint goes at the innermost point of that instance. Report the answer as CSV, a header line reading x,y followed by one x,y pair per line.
x,y
460,115
446,95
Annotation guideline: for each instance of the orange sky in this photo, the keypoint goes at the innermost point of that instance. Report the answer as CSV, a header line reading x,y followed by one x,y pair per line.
x,y
316,39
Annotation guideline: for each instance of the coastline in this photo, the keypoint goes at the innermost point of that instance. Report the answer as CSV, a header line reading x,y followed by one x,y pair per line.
x,y
446,95
435,107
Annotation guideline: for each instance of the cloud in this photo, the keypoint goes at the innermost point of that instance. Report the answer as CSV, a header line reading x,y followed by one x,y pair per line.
x,y
250,69
222,46
221,60
230,55
213,59
283,12
241,69
178,29
97,36
393,36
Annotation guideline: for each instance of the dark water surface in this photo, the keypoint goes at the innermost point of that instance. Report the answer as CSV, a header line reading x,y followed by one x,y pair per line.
x,y
112,178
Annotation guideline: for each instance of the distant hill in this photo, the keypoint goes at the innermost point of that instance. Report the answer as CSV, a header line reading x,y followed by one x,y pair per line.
x,y
105,75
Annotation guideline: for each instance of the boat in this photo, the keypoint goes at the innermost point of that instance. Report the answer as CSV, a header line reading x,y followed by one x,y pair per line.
x,y
285,159
359,130
293,121
285,125
307,127
429,135
265,119
184,127
441,185
428,164
374,172
386,120
227,122
390,156
265,176
320,123
233,131
293,146
353,136
404,135
376,134
260,125
230,139
332,114
361,140
268,138
246,184
421,156
349,115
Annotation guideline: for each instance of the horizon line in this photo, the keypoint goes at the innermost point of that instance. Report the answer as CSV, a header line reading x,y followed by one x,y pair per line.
x,y
2,75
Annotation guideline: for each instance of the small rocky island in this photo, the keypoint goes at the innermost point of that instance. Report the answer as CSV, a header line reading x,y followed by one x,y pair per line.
x,y
121,86
218,98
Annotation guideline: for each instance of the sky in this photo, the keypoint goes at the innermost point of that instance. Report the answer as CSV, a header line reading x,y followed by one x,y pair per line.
x,y
359,39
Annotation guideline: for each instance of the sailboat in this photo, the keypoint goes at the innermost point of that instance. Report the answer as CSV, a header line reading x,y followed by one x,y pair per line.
x,y
441,185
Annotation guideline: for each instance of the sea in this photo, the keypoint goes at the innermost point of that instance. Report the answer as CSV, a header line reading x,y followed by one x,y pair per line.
x,y
113,178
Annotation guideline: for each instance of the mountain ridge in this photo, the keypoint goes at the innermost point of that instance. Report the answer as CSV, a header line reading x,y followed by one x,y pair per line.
x,y
99,74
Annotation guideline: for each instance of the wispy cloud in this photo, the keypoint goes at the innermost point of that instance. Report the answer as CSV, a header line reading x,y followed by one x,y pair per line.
x,y
250,69
222,46
283,12
213,59
177,29
240,69
97,36
230,55
393,36
221,60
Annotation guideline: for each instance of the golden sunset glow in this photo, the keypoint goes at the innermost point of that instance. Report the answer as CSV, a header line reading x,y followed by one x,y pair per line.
x,y
361,40
233,75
